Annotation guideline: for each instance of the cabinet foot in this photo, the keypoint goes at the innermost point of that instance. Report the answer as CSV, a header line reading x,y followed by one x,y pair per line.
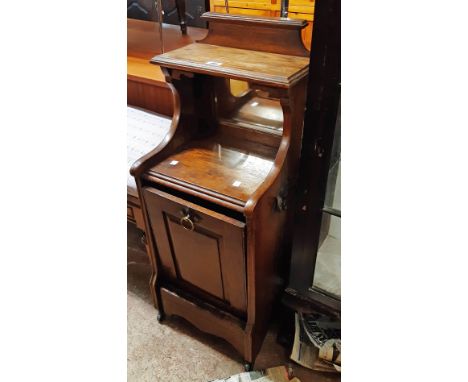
x,y
247,366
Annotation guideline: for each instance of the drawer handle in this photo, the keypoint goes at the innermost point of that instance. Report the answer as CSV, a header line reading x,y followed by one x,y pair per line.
x,y
187,223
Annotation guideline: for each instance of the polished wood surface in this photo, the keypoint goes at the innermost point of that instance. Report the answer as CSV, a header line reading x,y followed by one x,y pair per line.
x,y
298,9
242,64
261,113
215,262
246,21
226,30
214,166
228,172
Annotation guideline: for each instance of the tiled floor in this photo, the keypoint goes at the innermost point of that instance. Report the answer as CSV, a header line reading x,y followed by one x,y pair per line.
x,y
175,351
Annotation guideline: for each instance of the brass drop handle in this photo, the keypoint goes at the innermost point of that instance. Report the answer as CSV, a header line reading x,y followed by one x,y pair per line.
x,y
187,222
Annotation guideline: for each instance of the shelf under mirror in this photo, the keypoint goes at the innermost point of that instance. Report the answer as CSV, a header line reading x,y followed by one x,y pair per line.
x,y
258,113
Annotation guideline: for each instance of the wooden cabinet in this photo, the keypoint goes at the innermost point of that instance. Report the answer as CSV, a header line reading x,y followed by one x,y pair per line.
x,y
298,9
199,248
215,193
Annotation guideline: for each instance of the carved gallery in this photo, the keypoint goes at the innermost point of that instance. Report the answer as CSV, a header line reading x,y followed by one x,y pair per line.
x,y
233,190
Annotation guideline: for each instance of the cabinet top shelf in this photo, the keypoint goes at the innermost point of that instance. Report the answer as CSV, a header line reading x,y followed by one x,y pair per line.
x,y
266,68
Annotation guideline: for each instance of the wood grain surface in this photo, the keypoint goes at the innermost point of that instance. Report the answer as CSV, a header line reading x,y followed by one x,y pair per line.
x,y
242,64
214,166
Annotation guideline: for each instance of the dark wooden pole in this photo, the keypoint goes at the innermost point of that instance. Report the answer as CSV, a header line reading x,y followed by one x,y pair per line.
x,y
319,124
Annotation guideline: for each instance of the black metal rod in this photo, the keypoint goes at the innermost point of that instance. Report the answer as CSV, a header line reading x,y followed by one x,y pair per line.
x,y
284,8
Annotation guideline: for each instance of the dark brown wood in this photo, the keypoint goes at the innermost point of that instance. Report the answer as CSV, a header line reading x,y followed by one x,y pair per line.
x,y
215,166
143,41
266,245
217,189
208,255
193,190
146,84
266,68
153,96
320,120
205,317
259,113
134,213
229,30
248,138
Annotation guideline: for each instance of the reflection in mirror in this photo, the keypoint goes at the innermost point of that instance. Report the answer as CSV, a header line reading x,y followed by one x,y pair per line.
x,y
251,108
144,28
238,88
146,10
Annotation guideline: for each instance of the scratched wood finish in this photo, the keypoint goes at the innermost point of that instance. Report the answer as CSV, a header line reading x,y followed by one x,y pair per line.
x,y
242,64
203,155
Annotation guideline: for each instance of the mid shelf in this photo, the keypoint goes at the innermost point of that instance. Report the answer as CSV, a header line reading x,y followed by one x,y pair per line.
x,y
216,167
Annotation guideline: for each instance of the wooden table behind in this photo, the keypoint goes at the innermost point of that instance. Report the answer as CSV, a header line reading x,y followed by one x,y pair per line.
x,y
146,86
